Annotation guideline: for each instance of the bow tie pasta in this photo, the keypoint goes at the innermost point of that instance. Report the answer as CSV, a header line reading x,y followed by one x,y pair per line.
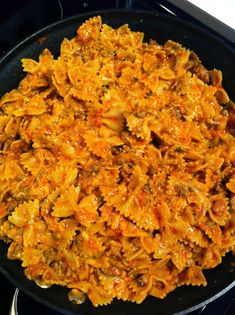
x,y
117,175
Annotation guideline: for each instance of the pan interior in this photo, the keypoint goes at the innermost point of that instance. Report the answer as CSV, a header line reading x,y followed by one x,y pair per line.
x,y
214,54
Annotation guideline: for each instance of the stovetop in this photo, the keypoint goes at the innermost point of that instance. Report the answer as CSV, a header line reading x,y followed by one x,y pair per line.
x,y
18,20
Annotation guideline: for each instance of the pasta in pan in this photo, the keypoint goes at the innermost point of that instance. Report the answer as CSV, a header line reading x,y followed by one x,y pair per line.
x,y
117,175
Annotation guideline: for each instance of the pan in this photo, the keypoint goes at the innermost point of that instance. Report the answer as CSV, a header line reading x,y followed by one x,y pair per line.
x,y
214,53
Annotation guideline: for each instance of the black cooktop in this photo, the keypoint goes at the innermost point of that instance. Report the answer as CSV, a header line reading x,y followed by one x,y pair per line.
x,y
20,18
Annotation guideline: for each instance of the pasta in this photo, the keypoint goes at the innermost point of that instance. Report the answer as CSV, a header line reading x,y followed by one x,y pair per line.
x,y
117,175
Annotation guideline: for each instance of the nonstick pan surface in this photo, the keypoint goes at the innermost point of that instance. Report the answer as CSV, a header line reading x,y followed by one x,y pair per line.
x,y
214,53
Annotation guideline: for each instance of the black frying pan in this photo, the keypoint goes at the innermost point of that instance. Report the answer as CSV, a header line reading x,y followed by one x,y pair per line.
x,y
214,53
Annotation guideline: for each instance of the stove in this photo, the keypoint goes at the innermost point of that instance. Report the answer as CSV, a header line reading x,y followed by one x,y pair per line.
x,y
17,21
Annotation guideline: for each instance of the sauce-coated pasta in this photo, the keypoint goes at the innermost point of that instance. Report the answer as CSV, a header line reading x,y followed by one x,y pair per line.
x,y
117,175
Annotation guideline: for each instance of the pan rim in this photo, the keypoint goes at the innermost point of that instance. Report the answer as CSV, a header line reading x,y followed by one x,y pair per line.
x,y
60,22
66,312
50,28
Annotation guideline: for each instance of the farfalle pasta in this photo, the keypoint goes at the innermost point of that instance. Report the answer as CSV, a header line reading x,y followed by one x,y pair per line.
x,y
117,175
